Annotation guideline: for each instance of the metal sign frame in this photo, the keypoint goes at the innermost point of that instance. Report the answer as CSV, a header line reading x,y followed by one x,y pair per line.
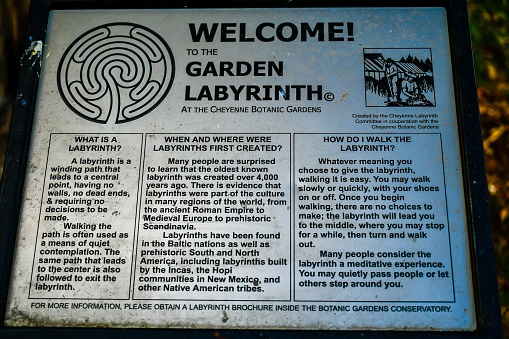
x,y
481,247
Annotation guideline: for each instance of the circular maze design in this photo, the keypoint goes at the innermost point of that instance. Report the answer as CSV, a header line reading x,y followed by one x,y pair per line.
x,y
122,70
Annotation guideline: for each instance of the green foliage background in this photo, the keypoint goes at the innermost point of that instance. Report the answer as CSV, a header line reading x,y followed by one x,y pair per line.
x,y
489,20
490,36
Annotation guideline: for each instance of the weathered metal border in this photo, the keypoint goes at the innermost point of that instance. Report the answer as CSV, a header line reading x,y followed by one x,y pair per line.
x,y
483,267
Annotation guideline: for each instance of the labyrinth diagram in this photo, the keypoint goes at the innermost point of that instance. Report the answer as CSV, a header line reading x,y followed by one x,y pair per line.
x,y
118,71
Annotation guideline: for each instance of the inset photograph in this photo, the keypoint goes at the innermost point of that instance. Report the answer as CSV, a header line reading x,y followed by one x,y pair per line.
x,y
398,77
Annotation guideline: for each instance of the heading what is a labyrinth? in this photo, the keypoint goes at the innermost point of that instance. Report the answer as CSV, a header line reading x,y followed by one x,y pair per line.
x,y
118,71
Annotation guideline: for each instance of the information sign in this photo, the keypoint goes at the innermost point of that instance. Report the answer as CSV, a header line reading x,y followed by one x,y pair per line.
x,y
245,168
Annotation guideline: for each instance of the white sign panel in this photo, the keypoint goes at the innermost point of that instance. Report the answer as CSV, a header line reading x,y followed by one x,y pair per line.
x,y
261,168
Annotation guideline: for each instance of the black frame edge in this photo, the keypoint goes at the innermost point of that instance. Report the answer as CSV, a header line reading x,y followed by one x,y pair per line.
x,y
18,144
482,252
483,268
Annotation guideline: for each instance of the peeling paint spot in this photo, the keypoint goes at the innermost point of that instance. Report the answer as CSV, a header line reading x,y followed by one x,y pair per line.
x,y
225,317
35,49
